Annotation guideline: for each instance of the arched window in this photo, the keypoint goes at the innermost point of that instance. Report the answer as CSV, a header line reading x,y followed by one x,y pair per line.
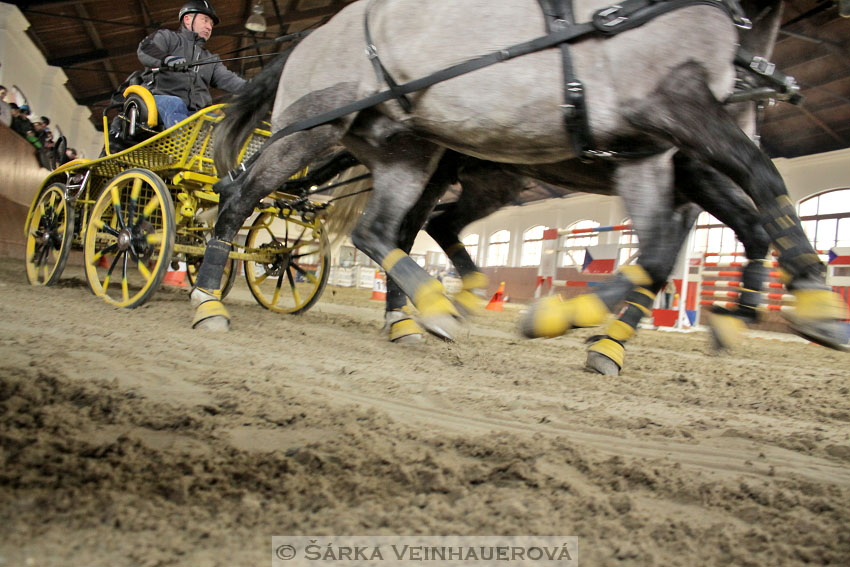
x,y
716,240
497,248
628,245
532,246
17,96
470,242
573,245
826,219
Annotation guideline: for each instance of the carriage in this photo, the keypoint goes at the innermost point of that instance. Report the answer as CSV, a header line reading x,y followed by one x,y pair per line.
x,y
137,212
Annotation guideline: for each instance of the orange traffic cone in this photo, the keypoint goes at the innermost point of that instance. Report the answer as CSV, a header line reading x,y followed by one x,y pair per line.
x,y
379,288
498,300
176,277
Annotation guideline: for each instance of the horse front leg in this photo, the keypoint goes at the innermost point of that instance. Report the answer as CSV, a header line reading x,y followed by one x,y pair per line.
x,y
684,110
398,322
646,187
276,164
400,171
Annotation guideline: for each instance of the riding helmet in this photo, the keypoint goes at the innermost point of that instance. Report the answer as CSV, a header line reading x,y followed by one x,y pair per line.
x,y
198,7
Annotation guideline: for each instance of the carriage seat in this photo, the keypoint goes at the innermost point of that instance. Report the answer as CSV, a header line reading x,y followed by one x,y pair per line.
x,y
137,121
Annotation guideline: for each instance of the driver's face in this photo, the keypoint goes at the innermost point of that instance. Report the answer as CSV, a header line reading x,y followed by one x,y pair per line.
x,y
201,25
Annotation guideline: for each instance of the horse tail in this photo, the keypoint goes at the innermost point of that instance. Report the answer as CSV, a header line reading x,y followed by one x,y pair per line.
x,y
349,201
245,111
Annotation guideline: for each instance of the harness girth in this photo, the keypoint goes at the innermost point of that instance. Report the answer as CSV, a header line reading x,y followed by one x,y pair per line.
x,y
559,15
609,21
380,70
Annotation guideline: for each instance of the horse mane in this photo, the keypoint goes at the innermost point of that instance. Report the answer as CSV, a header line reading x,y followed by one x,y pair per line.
x,y
244,112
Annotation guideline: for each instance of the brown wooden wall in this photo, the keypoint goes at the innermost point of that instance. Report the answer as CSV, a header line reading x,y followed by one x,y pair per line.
x,y
20,177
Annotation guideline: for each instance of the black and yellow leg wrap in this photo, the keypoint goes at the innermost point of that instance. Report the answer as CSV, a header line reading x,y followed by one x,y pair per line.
x,y
620,330
726,329
466,299
404,328
610,348
430,299
552,316
796,255
215,259
209,309
820,304
636,274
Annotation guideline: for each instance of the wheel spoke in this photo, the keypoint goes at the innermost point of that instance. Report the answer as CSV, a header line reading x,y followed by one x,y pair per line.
x,y
134,198
276,296
295,295
152,205
116,207
261,278
144,270
125,289
313,279
100,225
155,238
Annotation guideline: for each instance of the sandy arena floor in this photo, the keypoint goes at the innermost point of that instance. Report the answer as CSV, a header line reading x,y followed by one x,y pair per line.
x,y
128,439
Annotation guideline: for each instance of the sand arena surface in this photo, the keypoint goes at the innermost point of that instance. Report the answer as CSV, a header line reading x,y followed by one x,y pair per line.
x,y
128,439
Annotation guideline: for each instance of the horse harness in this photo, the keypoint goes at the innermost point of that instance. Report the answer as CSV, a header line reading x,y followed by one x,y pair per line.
x,y
562,30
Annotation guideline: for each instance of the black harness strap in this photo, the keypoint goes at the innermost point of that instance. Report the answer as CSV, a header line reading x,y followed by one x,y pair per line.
x,y
569,33
380,70
559,15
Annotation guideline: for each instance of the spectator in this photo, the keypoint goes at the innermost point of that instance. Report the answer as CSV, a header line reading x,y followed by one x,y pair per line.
x,y
41,133
179,87
3,92
70,155
5,111
20,122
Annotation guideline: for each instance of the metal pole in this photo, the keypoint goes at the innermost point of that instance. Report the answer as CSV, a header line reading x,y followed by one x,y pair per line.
x,y
682,321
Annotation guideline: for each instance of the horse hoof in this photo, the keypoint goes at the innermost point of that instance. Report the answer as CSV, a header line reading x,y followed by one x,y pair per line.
x,y
598,362
605,356
552,316
831,334
213,324
444,327
726,330
817,317
211,316
404,331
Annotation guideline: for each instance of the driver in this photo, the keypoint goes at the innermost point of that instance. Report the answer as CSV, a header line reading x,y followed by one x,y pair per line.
x,y
180,87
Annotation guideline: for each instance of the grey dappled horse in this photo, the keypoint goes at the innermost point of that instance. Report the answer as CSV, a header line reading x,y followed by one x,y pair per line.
x,y
487,186
654,87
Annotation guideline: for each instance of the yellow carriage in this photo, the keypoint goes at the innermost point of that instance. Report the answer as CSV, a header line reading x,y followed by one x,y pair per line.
x,y
138,211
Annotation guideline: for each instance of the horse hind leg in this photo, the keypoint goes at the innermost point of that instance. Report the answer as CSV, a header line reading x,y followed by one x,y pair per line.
x,y
719,196
683,110
276,164
485,188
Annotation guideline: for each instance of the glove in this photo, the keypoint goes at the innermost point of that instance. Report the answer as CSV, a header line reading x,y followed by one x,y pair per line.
x,y
175,63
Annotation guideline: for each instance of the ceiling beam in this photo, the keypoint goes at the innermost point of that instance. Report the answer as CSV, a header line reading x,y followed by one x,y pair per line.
x,y
823,126
99,55
94,36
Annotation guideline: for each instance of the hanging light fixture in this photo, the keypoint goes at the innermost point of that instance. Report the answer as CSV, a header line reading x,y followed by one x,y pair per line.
x,y
256,22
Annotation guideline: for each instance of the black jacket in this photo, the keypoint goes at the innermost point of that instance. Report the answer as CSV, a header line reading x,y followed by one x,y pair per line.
x,y
193,85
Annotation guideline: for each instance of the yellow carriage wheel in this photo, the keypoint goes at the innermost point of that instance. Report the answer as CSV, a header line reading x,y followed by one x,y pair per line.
x,y
50,234
292,277
130,238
